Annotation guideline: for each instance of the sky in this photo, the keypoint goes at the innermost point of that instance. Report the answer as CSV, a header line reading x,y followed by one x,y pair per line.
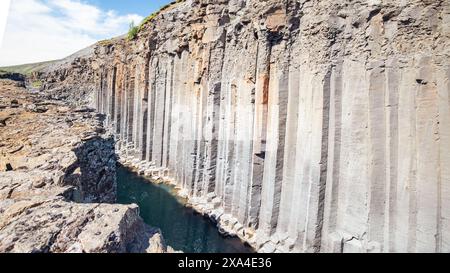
x,y
41,30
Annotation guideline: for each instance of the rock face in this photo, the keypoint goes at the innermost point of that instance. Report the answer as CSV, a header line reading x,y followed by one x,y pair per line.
x,y
300,126
54,165
77,70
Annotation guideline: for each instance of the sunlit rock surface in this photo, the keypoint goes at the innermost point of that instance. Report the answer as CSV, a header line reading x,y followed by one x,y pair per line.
x,y
300,126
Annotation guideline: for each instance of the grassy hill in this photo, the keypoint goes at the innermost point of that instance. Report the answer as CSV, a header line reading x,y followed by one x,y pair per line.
x,y
25,69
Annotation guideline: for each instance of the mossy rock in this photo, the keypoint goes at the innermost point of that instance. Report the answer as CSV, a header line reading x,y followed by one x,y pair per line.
x,y
36,84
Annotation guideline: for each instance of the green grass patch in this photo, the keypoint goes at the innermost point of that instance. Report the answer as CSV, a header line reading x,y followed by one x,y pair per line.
x,y
36,84
132,32
106,42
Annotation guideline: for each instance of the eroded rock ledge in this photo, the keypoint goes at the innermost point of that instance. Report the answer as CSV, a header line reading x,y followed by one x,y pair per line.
x,y
55,161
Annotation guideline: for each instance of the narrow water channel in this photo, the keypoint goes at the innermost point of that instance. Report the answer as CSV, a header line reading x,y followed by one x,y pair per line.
x,y
181,227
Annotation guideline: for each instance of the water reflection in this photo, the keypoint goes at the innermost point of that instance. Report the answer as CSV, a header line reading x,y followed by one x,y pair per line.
x,y
181,227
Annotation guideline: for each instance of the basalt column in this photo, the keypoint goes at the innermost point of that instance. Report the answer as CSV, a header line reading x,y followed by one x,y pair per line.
x,y
300,126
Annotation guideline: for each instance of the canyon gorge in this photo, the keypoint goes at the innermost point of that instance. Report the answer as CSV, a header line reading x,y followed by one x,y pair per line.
x,y
295,125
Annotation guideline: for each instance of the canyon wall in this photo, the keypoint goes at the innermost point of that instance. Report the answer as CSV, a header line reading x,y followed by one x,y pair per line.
x,y
70,80
299,125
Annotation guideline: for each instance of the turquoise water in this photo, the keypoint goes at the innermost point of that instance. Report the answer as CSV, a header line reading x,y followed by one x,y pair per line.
x,y
181,227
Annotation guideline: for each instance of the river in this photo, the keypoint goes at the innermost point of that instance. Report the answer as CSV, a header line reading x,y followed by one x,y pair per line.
x,y
181,227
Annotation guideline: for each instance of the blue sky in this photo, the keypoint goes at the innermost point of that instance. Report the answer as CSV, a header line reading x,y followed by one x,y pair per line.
x,y
42,30
141,7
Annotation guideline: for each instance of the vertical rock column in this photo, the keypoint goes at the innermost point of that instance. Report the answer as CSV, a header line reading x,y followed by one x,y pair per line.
x,y
299,133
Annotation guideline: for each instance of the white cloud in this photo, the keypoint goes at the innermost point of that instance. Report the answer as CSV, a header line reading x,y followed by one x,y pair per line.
x,y
4,10
40,30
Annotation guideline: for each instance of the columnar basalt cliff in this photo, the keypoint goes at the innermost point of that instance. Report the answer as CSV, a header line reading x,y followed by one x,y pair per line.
x,y
299,125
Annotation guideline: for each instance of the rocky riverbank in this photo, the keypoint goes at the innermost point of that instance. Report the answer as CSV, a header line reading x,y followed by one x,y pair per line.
x,y
57,181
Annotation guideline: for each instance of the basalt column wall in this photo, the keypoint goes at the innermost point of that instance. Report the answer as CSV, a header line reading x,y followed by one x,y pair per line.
x,y
300,126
